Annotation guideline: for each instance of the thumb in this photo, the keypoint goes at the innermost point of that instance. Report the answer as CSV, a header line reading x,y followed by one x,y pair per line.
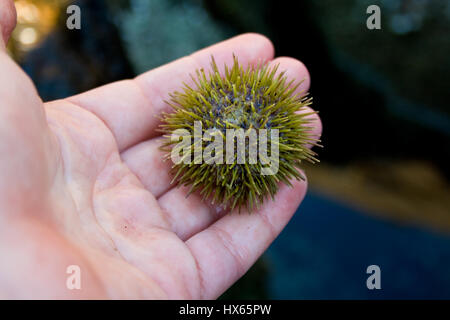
x,y
27,148
7,20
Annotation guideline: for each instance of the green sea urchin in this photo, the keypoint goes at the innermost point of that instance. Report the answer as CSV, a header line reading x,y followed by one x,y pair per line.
x,y
261,110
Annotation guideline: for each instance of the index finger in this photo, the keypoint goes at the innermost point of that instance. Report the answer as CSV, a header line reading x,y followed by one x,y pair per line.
x,y
228,248
130,107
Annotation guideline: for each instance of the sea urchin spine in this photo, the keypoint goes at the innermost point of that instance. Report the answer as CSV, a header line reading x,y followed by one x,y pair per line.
x,y
251,102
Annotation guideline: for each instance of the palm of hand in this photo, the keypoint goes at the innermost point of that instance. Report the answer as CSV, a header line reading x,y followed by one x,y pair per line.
x,y
84,184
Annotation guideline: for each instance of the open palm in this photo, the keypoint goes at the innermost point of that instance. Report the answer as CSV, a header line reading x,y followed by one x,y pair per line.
x,y
82,182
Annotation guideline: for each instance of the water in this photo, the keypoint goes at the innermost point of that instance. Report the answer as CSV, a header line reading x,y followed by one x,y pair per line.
x,y
325,250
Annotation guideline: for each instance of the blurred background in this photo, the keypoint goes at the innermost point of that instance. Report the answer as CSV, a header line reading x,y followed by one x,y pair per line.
x,y
381,193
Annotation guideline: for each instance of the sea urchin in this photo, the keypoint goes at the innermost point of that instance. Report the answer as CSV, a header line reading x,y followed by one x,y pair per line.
x,y
220,131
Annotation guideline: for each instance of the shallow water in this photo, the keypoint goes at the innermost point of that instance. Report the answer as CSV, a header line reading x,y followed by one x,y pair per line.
x,y
325,250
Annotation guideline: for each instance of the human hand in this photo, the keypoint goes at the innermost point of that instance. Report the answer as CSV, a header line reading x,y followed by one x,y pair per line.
x,y
82,182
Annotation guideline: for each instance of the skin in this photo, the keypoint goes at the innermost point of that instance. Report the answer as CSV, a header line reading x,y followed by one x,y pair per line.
x,y
82,182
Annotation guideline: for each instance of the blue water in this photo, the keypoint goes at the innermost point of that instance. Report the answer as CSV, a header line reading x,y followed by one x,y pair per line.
x,y
325,250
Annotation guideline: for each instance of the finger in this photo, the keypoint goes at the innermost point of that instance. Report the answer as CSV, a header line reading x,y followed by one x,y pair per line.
x,y
228,248
189,215
295,70
7,20
130,108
